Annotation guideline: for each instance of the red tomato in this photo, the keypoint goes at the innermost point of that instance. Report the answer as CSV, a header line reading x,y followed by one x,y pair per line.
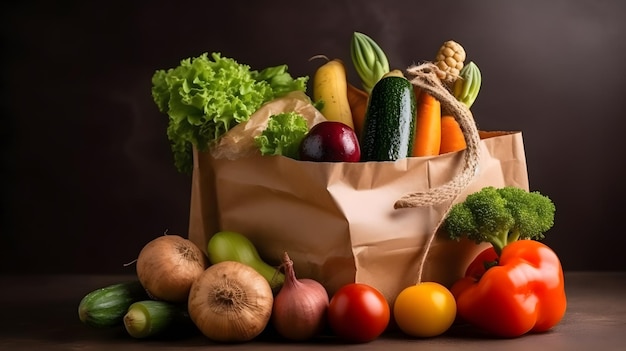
x,y
358,313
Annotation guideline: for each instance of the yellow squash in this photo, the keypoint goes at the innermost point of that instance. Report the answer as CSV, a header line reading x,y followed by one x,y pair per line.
x,y
330,86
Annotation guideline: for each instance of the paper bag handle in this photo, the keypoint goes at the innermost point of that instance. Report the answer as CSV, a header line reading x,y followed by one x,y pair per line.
x,y
425,77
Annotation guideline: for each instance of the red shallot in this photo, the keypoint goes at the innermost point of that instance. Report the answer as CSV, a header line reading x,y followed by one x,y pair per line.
x,y
299,311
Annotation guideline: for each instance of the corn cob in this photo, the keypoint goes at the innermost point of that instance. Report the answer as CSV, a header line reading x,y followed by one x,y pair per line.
x,y
467,86
450,59
369,59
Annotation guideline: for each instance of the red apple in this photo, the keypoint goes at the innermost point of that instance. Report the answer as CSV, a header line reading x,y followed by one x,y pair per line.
x,y
330,141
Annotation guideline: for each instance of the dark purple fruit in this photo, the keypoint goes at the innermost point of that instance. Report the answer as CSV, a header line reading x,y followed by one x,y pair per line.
x,y
330,141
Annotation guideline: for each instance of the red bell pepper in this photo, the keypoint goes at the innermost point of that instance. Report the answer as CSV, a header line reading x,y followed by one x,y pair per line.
x,y
518,292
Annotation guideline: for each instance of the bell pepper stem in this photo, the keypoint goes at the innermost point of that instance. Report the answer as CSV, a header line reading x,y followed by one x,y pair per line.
x,y
489,264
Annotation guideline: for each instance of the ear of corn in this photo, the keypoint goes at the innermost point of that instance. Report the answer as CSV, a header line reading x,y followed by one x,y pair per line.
x,y
450,59
370,61
467,86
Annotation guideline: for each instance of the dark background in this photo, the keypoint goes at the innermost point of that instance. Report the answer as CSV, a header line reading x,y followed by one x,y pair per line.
x,y
87,173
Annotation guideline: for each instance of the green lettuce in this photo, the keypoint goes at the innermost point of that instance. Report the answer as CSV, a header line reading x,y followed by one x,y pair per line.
x,y
283,135
206,96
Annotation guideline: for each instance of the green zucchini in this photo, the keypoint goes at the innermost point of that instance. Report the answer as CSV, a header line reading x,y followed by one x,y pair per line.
x,y
106,307
389,126
150,318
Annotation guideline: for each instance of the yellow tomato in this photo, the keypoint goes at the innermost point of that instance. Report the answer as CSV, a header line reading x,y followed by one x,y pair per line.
x,y
424,310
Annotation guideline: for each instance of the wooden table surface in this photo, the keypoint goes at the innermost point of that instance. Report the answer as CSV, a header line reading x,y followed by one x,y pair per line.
x,y
40,313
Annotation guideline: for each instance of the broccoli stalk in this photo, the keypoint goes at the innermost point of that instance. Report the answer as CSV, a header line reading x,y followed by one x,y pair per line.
x,y
500,216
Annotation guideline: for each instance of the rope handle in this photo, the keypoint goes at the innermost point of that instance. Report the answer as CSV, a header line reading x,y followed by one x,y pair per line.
x,y
425,77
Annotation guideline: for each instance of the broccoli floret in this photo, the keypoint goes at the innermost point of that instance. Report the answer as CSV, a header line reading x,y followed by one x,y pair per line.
x,y
500,216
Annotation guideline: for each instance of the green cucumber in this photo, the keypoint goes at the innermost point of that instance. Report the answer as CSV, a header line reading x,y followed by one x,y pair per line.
x,y
389,126
106,307
150,318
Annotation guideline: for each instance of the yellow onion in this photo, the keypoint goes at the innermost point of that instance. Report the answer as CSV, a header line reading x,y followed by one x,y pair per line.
x,y
230,302
168,265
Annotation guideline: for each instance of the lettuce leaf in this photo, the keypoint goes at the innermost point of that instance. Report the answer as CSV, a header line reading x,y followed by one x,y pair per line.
x,y
205,96
283,135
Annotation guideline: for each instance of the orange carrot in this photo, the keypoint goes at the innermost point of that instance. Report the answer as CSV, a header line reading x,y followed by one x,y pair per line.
x,y
427,126
357,99
452,138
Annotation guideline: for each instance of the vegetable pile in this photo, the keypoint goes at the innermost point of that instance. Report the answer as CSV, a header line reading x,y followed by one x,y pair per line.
x,y
229,293
382,118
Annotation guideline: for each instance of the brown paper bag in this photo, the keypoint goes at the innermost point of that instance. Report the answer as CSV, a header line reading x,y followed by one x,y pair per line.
x,y
353,222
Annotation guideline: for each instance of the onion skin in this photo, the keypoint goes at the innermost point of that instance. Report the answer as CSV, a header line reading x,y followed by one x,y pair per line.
x,y
299,311
168,265
230,302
